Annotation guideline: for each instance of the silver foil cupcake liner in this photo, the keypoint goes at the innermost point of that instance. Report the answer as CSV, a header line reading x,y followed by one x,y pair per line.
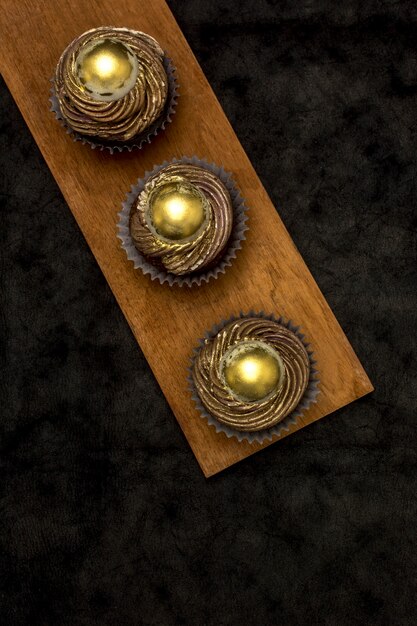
x,y
260,436
235,242
137,143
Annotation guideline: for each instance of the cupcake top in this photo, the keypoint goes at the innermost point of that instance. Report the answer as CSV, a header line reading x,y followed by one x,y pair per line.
x,y
111,83
182,220
252,374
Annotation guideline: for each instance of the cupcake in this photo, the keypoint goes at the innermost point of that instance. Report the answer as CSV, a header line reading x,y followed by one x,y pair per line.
x,y
184,222
252,374
113,87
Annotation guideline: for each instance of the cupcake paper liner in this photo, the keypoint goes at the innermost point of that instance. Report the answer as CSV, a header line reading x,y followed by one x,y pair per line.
x,y
137,142
235,241
309,397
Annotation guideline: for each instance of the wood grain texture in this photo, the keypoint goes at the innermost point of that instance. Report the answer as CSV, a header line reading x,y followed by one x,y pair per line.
x,y
269,273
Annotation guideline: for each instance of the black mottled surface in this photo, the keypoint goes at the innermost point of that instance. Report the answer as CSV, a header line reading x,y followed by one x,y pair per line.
x,y
105,517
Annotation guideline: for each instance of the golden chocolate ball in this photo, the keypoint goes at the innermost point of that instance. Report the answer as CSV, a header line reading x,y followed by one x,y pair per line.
x,y
107,69
252,370
177,210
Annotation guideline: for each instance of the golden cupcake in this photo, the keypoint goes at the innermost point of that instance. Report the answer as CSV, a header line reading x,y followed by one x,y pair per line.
x,y
182,220
252,374
111,84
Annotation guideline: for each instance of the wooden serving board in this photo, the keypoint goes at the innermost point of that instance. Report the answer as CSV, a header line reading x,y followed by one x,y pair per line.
x,y
269,273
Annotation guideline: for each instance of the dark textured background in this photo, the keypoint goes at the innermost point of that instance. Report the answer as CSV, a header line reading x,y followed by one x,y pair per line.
x,y
105,517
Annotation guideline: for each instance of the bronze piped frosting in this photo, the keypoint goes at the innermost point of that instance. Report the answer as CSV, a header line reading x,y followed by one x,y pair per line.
x,y
219,399
104,115
207,219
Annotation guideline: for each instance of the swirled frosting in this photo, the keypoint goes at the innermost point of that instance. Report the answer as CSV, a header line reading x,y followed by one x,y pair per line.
x,y
126,117
220,402
192,254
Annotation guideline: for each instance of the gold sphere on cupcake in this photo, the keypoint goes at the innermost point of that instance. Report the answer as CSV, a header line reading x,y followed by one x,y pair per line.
x,y
252,370
107,69
251,373
181,221
112,84
177,210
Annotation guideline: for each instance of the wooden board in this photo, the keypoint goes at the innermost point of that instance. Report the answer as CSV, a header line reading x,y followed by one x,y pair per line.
x,y
269,273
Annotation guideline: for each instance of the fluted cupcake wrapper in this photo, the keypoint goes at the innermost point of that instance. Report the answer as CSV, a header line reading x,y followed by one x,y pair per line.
x,y
309,397
235,242
139,141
